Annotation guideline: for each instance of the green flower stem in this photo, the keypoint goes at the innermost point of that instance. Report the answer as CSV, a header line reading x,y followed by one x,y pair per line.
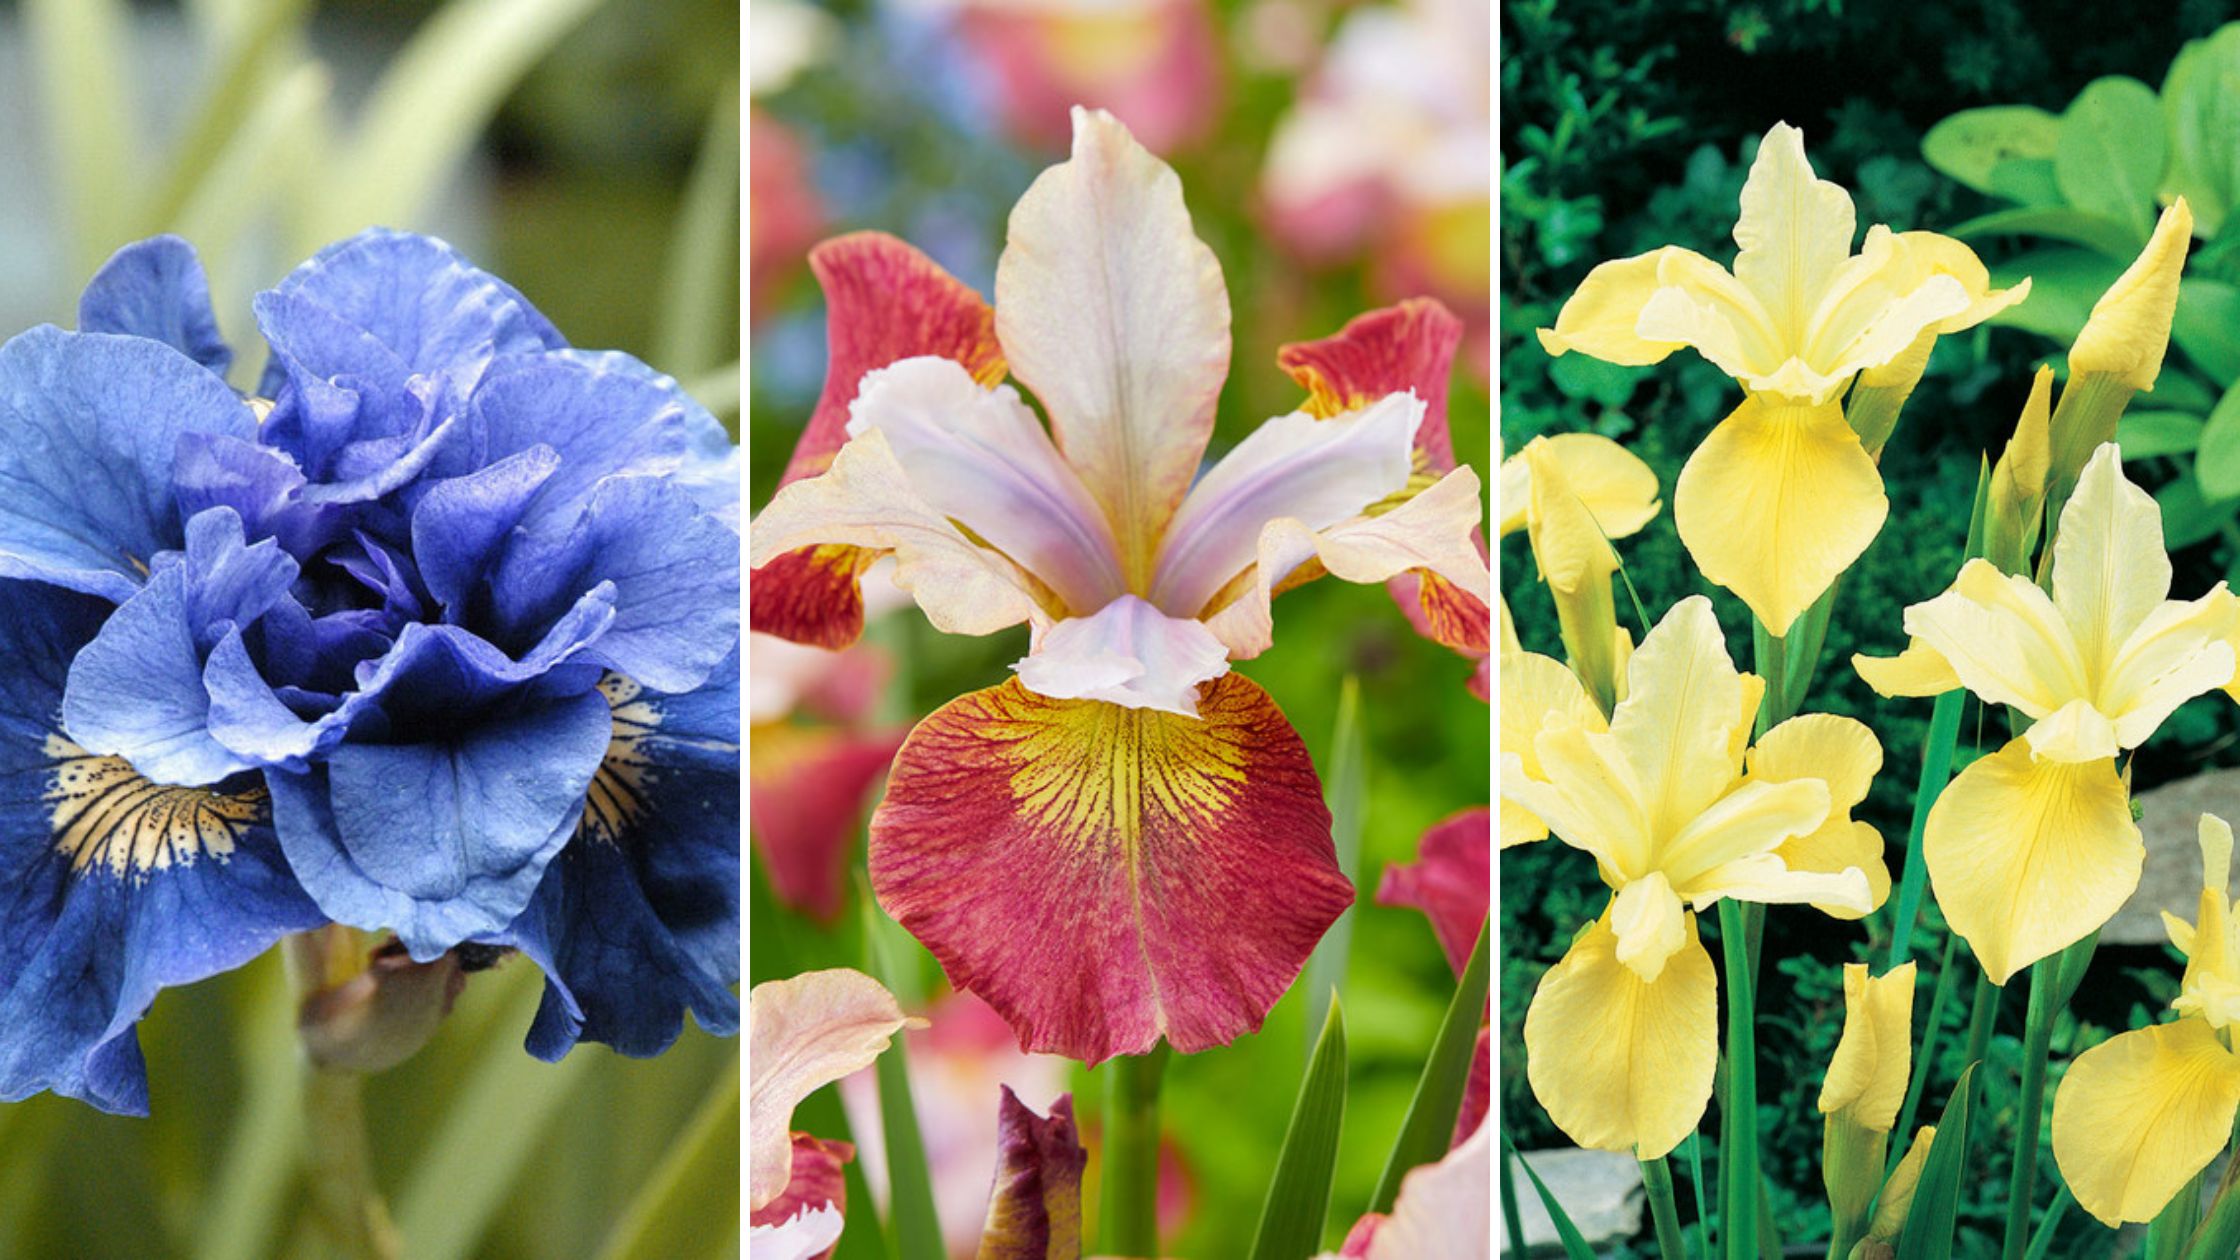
x,y
1656,1174
1936,771
1695,1187
2045,1004
1738,1136
1983,1011
1924,1059
1130,1196
1772,654
338,1163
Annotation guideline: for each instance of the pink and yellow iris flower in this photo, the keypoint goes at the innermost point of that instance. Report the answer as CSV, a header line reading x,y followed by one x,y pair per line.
x,y
2032,848
1782,496
1678,811
2140,1114
1126,841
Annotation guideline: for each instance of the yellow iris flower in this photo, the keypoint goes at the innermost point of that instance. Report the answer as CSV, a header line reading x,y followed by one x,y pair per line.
x,y
1783,495
1677,811
2139,1114
1866,1083
1572,494
2032,848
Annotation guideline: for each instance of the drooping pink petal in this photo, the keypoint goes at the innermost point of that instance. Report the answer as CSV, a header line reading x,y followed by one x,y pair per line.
x,y
1105,876
981,458
1127,653
808,787
1294,467
1407,346
884,301
1451,881
1034,1211
1113,312
805,1033
818,1181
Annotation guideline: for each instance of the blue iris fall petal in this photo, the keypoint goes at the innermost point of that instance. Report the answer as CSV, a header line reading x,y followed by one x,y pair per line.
x,y
156,289
90,424
637,921
117,887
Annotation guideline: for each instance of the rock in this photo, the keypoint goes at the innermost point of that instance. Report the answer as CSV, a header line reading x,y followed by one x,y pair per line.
x,y
2170,819
1600,1191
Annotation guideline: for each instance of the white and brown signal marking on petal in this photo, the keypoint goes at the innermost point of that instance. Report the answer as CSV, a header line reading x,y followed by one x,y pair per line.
x,y
106,814
618,798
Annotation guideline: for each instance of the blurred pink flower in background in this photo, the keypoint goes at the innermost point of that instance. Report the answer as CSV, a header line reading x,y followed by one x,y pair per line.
x,y
1154,64
787,215
1386,156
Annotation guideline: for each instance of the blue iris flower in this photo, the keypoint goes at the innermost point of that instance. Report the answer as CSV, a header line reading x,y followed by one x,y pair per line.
x,y
450,613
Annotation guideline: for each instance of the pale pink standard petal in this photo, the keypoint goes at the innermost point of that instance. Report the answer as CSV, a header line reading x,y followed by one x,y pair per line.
x,y
1113,312
1430,532
1105,876
1128,653
1451,881
1295,467
1443,1209
981,458
805,1033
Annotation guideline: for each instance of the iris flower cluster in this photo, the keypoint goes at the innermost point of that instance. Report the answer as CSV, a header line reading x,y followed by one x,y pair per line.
x,y
435,632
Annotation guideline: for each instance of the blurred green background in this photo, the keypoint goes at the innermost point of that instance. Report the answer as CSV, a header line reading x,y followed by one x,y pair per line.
x,y
1630,124
890,114
587,150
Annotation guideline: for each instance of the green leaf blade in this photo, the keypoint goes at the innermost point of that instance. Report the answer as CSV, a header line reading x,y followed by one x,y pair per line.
x,y
1429,1126
1298,1202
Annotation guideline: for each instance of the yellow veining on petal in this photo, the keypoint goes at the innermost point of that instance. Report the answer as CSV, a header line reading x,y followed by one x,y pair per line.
x,y
619,790
106,814
1087,768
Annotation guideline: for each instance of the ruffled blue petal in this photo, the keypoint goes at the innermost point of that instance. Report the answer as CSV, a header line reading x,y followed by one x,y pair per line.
x,y
446,839
458,525
637,921
156,289
675,569
606,414
90,424
137,691
117,887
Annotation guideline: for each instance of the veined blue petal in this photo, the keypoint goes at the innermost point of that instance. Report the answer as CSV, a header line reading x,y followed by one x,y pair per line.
x,y
136,691
606,415
156,289
675,569
89,426
442,841
458,525
118,887
637,921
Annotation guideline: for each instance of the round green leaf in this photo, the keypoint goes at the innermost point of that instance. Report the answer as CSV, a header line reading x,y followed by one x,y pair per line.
x,y
2145,433
2109,158
2201,104
1969,145
2207,327
2217,462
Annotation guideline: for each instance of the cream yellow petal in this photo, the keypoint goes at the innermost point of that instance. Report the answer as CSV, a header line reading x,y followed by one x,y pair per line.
x,y
2004,640
2109,568
1599,319
2183,649
1838,750
1537,693
1845,754
1795,230
1510,644
2074,732
1920,670
1877,306
1867,1078
805,1033
1765,878
1651,925
1619,490
1897,1197
1776,503
2139,1114
1700,305
1515,492
1568,543
2029,856
2129,330
1619,1063
1589,796
1677,722
1749,822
